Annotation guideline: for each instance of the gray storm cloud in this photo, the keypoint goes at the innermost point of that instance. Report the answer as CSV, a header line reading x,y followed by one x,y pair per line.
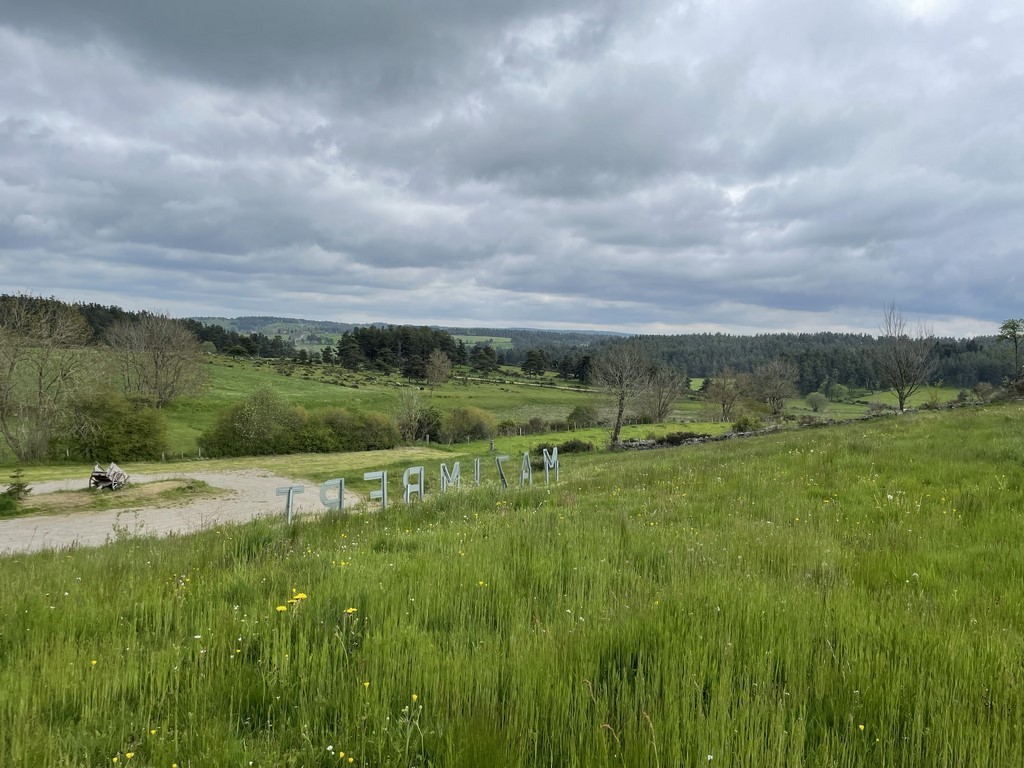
x,y
661,166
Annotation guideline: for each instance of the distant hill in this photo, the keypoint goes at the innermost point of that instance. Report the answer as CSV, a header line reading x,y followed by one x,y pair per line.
x,y
299,329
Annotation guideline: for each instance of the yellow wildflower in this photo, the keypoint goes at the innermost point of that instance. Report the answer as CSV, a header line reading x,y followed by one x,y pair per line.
x,y
282,608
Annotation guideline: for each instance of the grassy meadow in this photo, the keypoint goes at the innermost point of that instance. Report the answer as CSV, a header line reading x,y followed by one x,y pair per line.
x,y
843,596
508,395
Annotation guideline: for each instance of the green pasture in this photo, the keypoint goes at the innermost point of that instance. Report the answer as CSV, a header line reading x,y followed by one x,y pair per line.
x,y
498,342
843,596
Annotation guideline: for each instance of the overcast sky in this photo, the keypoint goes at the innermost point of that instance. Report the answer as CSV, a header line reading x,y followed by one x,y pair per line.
x,y
641,165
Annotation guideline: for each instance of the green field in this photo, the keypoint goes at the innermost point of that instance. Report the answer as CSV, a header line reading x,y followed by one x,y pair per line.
x,y
498,342
845,596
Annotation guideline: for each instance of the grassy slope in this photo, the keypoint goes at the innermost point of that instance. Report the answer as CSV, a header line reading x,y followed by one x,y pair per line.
x,y
314,389
846,596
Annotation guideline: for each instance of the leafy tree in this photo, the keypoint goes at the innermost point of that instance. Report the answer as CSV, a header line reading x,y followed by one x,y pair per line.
x,y
1013,331
536,363
624,372
41,364
584,415
817,401
484,359
416,419
350,355
904,360
109,427
157,358
439,369
264,423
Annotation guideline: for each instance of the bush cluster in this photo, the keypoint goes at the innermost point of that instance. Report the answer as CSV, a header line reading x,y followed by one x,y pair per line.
x,y
110,427
266,424
467,423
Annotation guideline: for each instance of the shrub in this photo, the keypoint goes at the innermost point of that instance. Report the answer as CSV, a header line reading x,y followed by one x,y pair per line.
x,y
8,505
376,431
264,423
747,423
467,423
817,401
583,416
535,426
678,438
112,428
569,446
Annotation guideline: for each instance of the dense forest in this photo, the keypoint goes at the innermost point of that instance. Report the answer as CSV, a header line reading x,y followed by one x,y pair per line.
x,y
821,358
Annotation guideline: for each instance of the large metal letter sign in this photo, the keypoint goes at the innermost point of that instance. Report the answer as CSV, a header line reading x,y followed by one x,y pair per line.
x,y
449,478
501,472
382,494
411,486
550,462
330,502
526,473
290,492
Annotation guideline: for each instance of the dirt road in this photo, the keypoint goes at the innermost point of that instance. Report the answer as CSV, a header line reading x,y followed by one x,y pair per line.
x,y
247,494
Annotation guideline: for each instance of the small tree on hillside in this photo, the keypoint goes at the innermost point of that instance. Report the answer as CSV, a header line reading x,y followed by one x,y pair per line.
x,y
624,372
158,358
773,383
41,364
1013,331
904,360
439,369
664,386
817,401
722,392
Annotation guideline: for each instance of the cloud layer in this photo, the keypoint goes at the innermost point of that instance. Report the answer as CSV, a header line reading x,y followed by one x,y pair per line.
x,y
647,166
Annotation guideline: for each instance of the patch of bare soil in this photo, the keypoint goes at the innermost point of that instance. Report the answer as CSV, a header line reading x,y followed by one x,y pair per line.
x,y
241,496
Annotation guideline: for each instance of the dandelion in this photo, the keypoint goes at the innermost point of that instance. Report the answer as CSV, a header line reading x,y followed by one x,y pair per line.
x,y
129,755
93,662
861,726
351,610
282,608
301,596
414,698
366,683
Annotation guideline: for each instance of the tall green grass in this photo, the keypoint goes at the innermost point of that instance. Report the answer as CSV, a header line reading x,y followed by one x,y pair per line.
x,y
848,596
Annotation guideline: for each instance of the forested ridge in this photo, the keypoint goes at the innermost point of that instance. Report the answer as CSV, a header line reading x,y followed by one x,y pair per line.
x,y
821,358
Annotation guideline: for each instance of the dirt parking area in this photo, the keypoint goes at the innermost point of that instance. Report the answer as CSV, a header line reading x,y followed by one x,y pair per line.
x,y
246,494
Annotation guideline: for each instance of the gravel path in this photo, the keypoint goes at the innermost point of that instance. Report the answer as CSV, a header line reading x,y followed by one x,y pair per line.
x,y
248,494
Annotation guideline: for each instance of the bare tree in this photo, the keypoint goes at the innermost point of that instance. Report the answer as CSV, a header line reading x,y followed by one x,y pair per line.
x,y
774,383
664,386
904,360
157,358
40,363
723,392
439,369
624,372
